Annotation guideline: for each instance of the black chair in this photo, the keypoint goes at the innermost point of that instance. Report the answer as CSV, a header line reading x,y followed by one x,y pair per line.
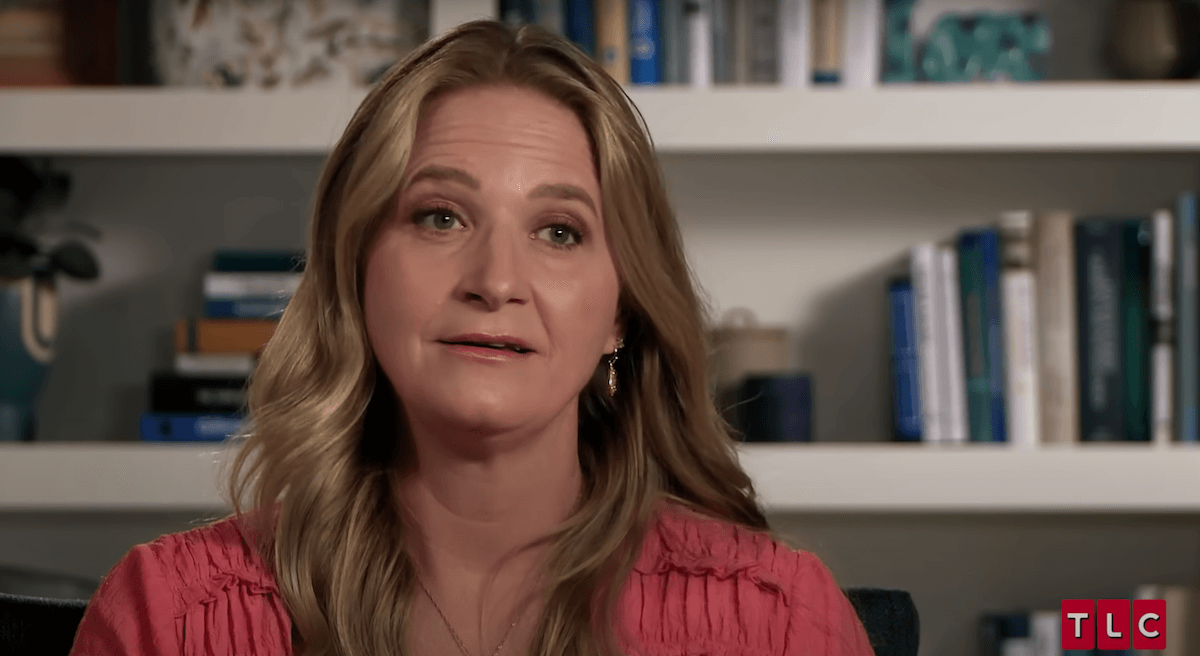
x,y
37,626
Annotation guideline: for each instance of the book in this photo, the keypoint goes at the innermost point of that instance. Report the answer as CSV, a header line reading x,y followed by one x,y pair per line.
x,y
674,31
974,331
762,47
906,395
612,38
828,36
169,427
1182,623
1020,329
581,25
1187,341
932,369
174,393
1058,372
222,335
795,43
644,39
551,15
246,260
864,42
957,429
1162,313
1136,341
214,364
989,242
225,284
245,308
698,14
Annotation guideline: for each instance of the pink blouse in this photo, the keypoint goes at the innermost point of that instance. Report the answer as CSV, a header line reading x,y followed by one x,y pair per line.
x,y
700,588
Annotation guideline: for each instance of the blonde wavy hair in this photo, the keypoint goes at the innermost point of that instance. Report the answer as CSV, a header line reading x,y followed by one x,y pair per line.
x,y
324,446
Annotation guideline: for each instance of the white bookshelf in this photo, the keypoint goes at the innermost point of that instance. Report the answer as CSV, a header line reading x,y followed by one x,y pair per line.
x,y
803,478
1059,117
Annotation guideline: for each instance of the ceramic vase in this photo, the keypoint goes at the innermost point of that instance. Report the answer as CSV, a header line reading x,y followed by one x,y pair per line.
x,y
1153,39
28,326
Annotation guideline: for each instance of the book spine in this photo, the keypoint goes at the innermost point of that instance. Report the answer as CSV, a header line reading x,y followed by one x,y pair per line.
x,y
1187,342
923,269
700,43
197,394
974,329
673,29
222,335
645,42
581,25
219,284
244,308
795,43
612,38
157,427
1135,329
1020,330
260,261
551,15
989,242
906,394
957,428
763,29
1054,264
1098,251
214,364
1162,315
864,39
828,23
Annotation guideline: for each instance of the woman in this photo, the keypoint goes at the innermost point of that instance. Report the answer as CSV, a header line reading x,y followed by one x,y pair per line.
x,y
483,425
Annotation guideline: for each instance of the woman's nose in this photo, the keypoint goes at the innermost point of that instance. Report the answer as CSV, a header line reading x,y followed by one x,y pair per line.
x,y
493,270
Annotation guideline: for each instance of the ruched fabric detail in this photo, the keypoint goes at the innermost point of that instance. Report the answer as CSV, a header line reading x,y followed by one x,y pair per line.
x,y
701,587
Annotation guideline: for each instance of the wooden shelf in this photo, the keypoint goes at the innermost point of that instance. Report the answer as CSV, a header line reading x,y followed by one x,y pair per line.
x,y
1045,117
820,478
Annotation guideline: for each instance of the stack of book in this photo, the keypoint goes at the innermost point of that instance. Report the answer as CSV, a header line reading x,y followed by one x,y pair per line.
x,y
794,43
1051,328
202,398
1038,632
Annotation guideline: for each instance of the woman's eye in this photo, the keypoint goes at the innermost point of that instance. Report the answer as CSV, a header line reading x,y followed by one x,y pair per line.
x,y
438,220
560,235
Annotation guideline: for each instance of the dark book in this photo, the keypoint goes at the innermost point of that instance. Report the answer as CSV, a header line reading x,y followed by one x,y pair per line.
x,y
171,392
775,408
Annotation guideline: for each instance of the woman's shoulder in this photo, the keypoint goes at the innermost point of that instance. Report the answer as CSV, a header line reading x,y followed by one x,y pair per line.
x,y
200,563
683,539
202,591
706,581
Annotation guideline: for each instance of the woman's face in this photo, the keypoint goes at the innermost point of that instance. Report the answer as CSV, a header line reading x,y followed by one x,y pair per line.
x,y
491,294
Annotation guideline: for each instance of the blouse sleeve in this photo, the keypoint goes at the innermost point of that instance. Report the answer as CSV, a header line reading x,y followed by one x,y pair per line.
x,y
132,612
823,621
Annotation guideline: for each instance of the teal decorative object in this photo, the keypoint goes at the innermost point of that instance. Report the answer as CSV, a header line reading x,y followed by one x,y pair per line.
x,y
987,47
28,323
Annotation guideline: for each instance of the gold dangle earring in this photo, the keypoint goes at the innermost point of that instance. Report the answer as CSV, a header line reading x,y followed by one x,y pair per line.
x,y
612,369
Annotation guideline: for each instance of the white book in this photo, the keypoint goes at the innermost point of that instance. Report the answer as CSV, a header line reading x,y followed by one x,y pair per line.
x,y
1021,380
957,426
224,284
1045,628
214,364
1016,647
864,35
1054,264
1162,313
795,43
700,43
923,269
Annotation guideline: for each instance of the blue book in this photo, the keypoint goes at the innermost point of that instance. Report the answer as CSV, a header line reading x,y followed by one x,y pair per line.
x,y
1187,341
645,43
989,244
906,398
254,307
775,408
581,25
169,427
974,336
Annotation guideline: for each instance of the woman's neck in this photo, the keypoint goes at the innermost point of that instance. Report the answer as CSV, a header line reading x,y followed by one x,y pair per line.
x,y
472,514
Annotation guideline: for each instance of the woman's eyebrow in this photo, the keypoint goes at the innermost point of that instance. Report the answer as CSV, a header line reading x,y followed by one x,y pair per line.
x,y
564,191
434,172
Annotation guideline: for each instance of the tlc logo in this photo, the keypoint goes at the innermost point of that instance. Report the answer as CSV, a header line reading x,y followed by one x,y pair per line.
x,y
1121,625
